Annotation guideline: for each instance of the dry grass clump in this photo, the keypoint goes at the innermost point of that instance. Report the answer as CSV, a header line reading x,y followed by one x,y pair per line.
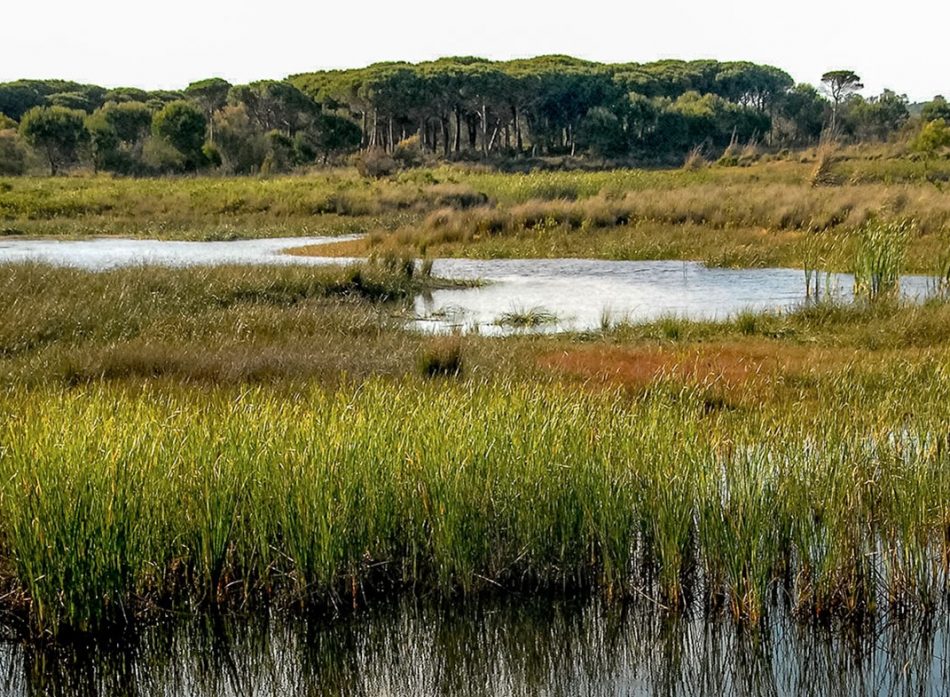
x,y
442,357
826,156
695,159
526,318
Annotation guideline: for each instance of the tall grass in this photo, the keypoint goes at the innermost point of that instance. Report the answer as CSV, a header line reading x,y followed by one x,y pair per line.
x,y
116,501
880,258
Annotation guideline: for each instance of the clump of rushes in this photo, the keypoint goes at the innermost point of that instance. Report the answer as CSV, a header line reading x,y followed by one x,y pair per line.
x,y
942,269
442,357
694,159
880,258
116,502
826,156
526,318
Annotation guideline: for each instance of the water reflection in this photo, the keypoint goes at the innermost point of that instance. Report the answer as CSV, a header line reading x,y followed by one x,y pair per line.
x,y
528,647
581,293
585,293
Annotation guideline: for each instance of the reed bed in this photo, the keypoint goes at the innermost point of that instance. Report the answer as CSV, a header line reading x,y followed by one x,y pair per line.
x,y
117,501
718,206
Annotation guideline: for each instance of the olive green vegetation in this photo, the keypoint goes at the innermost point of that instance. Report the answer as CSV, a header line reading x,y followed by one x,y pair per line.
x,y
766,214
389,116
221,437
229,323
235,436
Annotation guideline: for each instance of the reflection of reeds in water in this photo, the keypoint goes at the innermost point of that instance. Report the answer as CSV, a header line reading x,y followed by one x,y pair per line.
x,y
527,646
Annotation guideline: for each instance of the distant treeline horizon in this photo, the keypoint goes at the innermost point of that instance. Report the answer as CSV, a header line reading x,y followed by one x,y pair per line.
x,y
452,108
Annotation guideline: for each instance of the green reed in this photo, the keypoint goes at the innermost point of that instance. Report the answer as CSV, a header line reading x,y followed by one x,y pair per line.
x,y
882,247
116,500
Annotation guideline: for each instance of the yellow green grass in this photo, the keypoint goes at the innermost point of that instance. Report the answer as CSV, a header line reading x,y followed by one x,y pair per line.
x,y
117,501
741,216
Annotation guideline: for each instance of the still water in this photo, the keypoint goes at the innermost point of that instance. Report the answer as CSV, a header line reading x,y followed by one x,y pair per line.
x,y
516,647
574,294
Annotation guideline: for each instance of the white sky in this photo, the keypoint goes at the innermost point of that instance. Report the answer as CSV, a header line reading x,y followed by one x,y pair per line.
x,y
171,43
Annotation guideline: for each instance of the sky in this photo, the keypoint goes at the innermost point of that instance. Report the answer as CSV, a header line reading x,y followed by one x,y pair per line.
x,y
166,45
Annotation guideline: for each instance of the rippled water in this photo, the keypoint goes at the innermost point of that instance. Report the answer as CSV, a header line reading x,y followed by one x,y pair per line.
x,y
576,294
526,646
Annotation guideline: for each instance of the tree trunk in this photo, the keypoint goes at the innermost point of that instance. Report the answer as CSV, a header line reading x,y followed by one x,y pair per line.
x,y
458,129
484,120
519,143
472,133
444,121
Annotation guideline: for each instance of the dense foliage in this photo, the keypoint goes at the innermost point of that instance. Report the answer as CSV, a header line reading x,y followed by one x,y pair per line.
x,y
398,114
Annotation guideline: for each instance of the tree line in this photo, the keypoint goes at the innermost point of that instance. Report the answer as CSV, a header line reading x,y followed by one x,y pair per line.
x,y
452,108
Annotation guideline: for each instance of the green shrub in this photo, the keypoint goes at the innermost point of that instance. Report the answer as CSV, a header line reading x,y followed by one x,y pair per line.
x,y
12,155
375,164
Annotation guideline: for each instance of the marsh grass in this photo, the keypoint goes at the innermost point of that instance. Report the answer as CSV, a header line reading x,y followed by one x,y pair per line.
x,y
880,259
116,501
826,157
941,272
527,318
442,357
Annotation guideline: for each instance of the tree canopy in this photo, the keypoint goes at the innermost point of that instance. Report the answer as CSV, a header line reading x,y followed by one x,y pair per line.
x,y
456,107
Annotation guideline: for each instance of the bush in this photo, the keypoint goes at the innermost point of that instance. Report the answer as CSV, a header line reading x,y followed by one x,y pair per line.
x,y
241,146
162,157
694,159
211,155
183,126
375,164
12,155
281,153
408,152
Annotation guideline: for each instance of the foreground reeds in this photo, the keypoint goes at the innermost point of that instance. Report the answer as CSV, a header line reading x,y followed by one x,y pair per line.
x,y
116,501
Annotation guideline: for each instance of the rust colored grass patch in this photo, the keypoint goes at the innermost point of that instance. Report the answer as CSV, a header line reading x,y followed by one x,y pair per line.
x,y
734,367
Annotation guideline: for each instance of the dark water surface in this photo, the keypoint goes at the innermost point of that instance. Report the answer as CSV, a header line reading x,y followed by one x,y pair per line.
x,y
508,648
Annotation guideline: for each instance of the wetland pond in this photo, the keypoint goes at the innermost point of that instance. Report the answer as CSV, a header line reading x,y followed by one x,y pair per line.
x,y
550,294
513,644
495,648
